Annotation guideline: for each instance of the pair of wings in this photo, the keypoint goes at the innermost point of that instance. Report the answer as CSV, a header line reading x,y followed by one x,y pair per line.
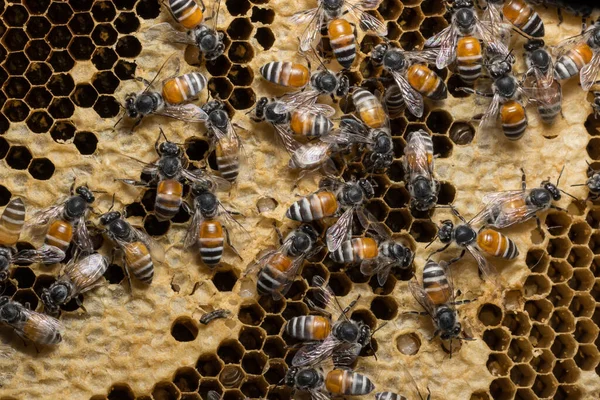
x,y
316,17
85,272
423,298
491,113
156,251
418,159
46,255
342,229
541,88
589,72
504,209
36,326
192,234
381,266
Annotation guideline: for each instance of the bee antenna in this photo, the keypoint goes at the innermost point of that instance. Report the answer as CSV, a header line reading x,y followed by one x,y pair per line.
x,y
559,175
569,194
578,184
119,120
112,204
522,34
432,240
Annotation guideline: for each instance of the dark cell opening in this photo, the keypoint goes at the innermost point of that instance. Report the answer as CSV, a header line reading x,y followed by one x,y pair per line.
x,y
104,58
264,15
219,66
423,231
239,29
41,169
240,75
238,7
39,122
120,391
127,22
125,70
16,110
38,73
16,87
104,35
254,388
86,142
62,131
15,15
253,363
81,5
184,329
18,157
148,9
275,373
114,274
81,24
84,95
61,61
61,84
149,198
490,314
36,6
384,307
251,338
340,284
196,149
224,280
26,296
81,48
128,47
241,52
59,37
37,50
61,107
103,11
264,36
220,87
105,82
135,210
251,314
154,227
242,98
208,365
15,39
230,352
107,107
59,13
24,276
4,146
165,391
455,83
16,63
181,217
398,220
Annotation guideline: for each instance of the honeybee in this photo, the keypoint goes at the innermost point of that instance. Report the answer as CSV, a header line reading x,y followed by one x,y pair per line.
x,y
28,324
65,222
140,251
169,101
412,75
168,174
540,84
518,13
369,109
592,183
336,382
205,229
485,240
418,166
216,314
377,142
579,54
190,15
460,40
341,33
11,225
279,268
79,276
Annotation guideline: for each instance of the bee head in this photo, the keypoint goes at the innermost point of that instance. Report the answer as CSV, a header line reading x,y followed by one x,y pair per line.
x,y
208,204
506,86
378,53
9,310
552,189
130,108
169,149
85,194
448,323
446,231
110,217
347,331
325,81
308,378
259,109
395,60
367,188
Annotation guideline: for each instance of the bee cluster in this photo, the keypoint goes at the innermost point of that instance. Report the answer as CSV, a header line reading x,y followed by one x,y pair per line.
x,y
304,328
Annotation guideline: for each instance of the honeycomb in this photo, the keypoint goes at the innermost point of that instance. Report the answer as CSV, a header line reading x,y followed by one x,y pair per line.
x,y
67,67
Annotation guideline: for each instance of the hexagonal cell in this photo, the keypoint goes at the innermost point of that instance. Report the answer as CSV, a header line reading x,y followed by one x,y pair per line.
x,y
525,394
103,11
544,386
127,22
502,389
165,391
207,385
241,52
81,48
564,346
536,285
16,87
543,362
219,66
242,98
562,321
240,29
62,131
61,61
582,305
585,331
186,379
587,357
275,373
593,148
224,280
272,324
38,97
209,365
582,280
120,391
251,338
522,375
231,376
462,133
411,40
568,392
24,276
128,47
294,309
16,63
59,12
264,15
340,284
4,193
18,157
539,310
490,314
230,351
84,95
255,387
565,371
251,314
148,9
423,231
15,39
25,296
309,271
184,329
105,82
399,220
153,226
104,35
41,169
496,339
114,274
408,343
520,350
559,271
220,88
125,70
59,37
241,75
560,295
254,362
541,335
384,307
15,15
265,37
61,108
558,247
107,107
580,232
238,7
517,323
274,347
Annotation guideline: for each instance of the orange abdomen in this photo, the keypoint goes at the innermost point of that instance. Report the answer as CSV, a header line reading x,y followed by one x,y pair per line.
x,y
581,55
186,12
342,40
517,12
168,199
334,382
228,159
321,327
59,234
514,119
280,262
287,74
496,244
139,261
426,82
365,248
210,241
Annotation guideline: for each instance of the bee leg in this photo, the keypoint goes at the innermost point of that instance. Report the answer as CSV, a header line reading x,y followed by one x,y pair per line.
x,y
143,80
133,182
438,250
279,234
523,180
126,269
560,16
135,125
455,259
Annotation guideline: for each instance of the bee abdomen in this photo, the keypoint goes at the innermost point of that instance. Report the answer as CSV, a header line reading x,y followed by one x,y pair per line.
x,y
186,12
313,207
139,260
514,120
11,222
426,82
469,58
370,109
46,336
183,88
570,64
308,327
228,161
271,278
309,124
495,243
435,283
524,17
389,396
168,199
342,40
59,234
286,73
354,250
210,241
347,382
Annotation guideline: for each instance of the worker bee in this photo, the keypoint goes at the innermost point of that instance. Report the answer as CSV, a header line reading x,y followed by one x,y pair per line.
x,y
436,296
485,240
341,33
206,230
279,268
65,222
418,167
460,41
79,276
579,54
395,396
592,183
337,382
540,85
412,75
377,143
520,14
171,100
28,324
369,109
190,15
140,251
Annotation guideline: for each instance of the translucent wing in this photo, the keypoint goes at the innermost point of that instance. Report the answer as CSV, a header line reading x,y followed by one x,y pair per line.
x,y
340,231
567,44
309,34
369,267
503,209
212,395
446,40
287,138
366,21
37,224
36,326
493,39
418,161
191,236
317,108
491,113
543,95
369,221
324,297
200,175
440,37
316,353
412,98
45,254
166,33
487,270
346,354
311,155
427,56
184,112
156,250
292,101
167,70
317,394
492,19
345,138
589,72
422,297
81,236
86,272
290,275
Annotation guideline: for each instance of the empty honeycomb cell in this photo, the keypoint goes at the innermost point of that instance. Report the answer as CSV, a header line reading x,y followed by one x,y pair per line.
x,y
541,335
24,277
517,323
340,284
539,310
272,324
241,52
127,22
254,387
294,309
240,29
265,37
587,357
410,19
148,9
187,379
125,70
455,83
564,346
38,73
114,274
241,75
230,351
81,5
276,373
135,210
297,290
274,347
580,233
41,169
582,280
4,146
390,10
15,15
254,362
520,350
397,197
103,11
545,386
565,371
128,47
16,87
209,365
196,148
61,84
120,391
38,97
26,296
238,7
16,63
105,82
84,96
251,314
568,392
497,339
433,7
61,61
408,343
15,39
411,41
152,225
356,276
263,15
543,361
61,107
107,107
433,25
384,307
16,110
593,148
559,271
582,305
536,285
165,391
522,375
220,88
184,329
447,193
580,257
104,35
231,376
270,305
62,131
423,231
224,280
59,12
462,133
149,198
309,271
59,37
398,220
251,338
439,121
502,389
585,331
81,48
557,223
560,295
206,385
242,98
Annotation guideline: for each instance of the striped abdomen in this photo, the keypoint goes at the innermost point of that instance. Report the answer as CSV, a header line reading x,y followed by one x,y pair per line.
x,y
551,102
183,88
139,261
570,64
355,250
313,207
469,58
309,327
426,82
496,244
227,152
514,119
340,381
59,234
416,139
272,277
389,396
370,109
168,199
42,329
310,124
343,42
287,74
523,17
210,241
11,222
394,101
186,12
435,283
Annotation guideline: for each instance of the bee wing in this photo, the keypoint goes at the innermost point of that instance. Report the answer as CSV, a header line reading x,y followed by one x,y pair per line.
x,y
343,137
493,38
491,113
518,211
168,69
311,155
37,224
315,353
290,144
191,236
212,395
201,175
493,20
318,109
156,250
446,40
324,296
542,94
296,100
422,297
346,354
309,34
427,56
317,394
184,112
416,158
589,72
567,44
340,231
440,37
86,272
487,270
82,237
366,21
38,325
165,32
290,275
45,255
412,98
